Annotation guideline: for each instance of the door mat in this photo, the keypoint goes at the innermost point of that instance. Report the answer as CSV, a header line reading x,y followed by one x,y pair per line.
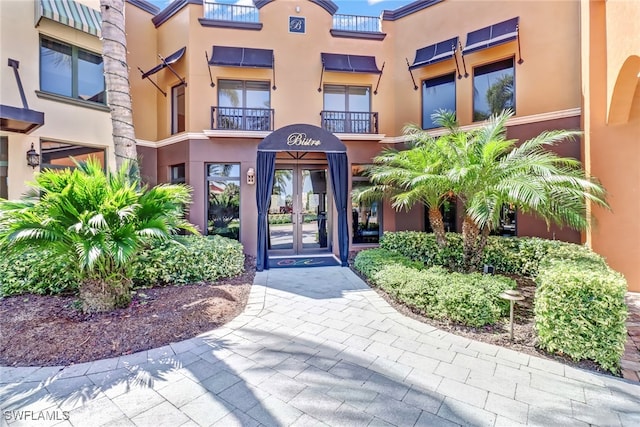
x,y
325,261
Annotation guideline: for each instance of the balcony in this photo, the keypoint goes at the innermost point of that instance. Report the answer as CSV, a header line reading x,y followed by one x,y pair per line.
x,y
357,26
349,121
230,16
247,119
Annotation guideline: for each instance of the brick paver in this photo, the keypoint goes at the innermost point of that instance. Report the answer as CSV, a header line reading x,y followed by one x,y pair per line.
x,y
318,347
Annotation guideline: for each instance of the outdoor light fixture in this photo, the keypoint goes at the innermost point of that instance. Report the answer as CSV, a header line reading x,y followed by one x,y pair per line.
x,y
511,295
251,176
33,158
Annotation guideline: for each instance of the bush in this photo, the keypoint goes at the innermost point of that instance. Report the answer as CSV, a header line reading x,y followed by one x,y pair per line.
x,y
579,307
38,272
371,261
422,247
470,299
194,259
190,259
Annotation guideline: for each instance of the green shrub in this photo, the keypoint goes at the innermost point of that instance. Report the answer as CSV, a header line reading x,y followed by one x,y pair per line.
x,y
37,272
473,299
190,259
579,307
370,261
422,247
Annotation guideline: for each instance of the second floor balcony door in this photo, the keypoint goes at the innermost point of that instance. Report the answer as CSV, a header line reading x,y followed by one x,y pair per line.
x,y
347,109
244,105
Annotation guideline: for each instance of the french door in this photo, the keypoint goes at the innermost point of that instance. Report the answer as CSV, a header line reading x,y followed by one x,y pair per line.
x,y
298,211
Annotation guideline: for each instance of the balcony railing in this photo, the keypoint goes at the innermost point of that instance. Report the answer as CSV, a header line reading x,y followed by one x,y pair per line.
x,y
230,12
365,24
256,119
349,122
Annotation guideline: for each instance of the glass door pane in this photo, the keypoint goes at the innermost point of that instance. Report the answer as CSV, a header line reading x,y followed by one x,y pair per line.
x,y
281,215
313,197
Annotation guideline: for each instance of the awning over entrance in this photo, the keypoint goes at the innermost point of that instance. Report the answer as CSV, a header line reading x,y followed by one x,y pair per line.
x,y
70,13
435,53
493,35
169,60
350,63
241,57
301,137
15,119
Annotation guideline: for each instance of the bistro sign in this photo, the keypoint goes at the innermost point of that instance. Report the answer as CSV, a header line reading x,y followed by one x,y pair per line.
x,y
301,139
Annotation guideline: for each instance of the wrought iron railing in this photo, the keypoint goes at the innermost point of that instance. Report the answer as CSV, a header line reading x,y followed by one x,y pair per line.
x,y
230,12
366,24
258,119
349,121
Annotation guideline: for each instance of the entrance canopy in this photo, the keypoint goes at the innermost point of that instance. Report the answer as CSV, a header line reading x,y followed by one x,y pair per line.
x,y
308,138
302,137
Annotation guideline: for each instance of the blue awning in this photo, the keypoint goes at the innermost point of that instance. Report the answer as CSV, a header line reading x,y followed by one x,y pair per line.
x,y
174,57
492,35
70,13
226,56
435,53
350,63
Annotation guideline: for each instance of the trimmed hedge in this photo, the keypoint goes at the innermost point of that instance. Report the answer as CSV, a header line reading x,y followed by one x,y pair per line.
x,y
579,303
579,307
37,272
470,299
194,259
190,259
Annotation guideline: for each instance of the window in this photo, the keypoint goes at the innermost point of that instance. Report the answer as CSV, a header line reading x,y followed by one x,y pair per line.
x,y
177,174
178,108
347,109
223,207
70,71
508,222
244,105
60,155
366,217
493,89
438,93
449,216
4,166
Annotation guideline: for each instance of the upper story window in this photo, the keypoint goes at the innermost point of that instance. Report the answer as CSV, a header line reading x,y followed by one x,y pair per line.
x,y
244,105
178,108
61,155
438,93
493,89
70,71
347,109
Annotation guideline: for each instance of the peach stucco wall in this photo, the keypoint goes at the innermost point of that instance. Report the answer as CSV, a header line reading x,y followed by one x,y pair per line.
x,y
611,58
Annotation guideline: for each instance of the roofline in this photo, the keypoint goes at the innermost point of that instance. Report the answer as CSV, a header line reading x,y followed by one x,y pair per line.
x,y
392,15
145,5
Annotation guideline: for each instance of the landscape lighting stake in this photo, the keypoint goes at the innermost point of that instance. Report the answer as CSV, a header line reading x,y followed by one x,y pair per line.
x,y
512,295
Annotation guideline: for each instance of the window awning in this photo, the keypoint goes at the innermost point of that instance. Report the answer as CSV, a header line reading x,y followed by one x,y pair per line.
x,y
350,63
174,57
435,53
226,56
492,35
21,120
70,13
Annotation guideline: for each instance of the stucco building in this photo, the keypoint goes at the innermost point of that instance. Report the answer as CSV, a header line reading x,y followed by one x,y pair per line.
x,y
271,112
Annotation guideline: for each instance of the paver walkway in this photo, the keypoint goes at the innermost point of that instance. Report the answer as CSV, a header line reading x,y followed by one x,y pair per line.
x,y
314,347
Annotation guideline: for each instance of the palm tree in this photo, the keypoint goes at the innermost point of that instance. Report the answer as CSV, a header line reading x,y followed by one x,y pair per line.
x,y
416,175
490,171
95,221
116,71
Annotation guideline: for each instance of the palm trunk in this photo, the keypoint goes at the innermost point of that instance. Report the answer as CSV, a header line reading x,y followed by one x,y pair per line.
x,y
116,71
437,225
98,295
479,250
470,233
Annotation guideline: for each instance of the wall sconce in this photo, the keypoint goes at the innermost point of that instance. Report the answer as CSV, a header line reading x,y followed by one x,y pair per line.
x,y
33,158
251,176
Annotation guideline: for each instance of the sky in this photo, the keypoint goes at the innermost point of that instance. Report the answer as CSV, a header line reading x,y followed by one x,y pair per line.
x,y
348,7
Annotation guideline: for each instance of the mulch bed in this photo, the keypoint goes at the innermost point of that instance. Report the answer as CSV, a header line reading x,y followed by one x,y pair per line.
x,y
49,331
